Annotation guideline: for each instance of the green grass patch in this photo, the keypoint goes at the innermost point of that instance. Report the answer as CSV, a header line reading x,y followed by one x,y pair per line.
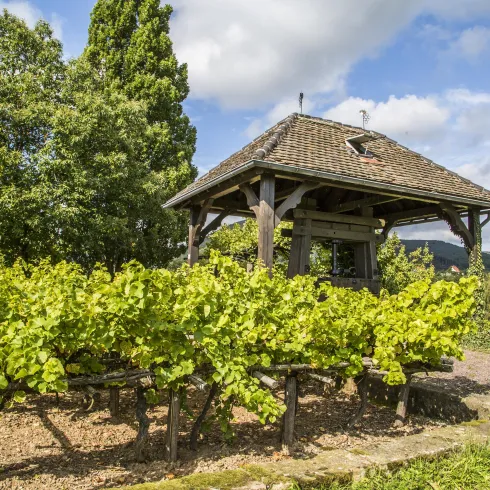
x,y
467,468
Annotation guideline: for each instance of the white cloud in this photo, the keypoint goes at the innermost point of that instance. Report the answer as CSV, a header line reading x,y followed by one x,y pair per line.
x,y
471,44
31,14
247,54
415,120
254,54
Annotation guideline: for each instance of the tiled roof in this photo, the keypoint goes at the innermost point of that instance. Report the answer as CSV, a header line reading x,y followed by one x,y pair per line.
x,y
316,144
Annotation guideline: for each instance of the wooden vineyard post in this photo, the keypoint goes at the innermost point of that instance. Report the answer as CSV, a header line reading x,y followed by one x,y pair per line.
x,y
290,413
144,423
114,401
401,409
173,425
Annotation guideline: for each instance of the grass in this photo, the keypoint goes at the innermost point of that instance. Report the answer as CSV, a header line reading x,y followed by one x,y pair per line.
x,y
463,469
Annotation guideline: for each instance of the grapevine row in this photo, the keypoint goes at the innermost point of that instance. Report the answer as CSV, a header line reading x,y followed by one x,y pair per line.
x,y
57,323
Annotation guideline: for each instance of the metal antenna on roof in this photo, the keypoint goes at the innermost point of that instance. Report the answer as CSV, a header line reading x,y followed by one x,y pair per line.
x,y
365,118
301,102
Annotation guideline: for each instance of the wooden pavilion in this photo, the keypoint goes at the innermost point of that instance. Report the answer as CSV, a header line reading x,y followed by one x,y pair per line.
x,y
335,183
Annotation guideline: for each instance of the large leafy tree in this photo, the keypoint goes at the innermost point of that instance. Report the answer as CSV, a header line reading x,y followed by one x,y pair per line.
x,y
129,44
130,49
90,152
31,77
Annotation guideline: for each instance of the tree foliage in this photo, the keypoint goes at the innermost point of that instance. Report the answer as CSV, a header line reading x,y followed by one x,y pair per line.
x,y
398,269
31,78
89,156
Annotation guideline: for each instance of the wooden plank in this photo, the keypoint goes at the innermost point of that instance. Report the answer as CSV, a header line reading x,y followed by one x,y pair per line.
x,y
338,218
253,201
290,394
354,236
342,226
172,426
370,201
299,257
294,199
266,220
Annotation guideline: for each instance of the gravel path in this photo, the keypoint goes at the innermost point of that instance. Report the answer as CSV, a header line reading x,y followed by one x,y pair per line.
x,y
45,445
50,445
471,376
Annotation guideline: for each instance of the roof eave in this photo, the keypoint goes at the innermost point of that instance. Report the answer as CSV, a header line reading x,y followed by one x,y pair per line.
x,y
291,169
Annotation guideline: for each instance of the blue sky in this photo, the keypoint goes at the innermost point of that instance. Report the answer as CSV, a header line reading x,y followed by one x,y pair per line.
x,y
420,67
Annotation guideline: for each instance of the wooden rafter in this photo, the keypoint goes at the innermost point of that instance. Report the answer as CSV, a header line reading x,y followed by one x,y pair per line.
x,y
361,203
294,199
412,214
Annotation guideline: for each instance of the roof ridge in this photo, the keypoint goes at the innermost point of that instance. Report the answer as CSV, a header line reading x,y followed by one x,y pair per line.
x,y
275,139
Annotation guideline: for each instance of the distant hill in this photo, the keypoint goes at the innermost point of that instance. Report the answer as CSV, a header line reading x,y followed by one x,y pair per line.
x,y
445,254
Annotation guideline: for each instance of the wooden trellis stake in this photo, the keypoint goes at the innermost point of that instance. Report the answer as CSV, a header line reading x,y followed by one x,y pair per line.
x,y
290,413
114,401
173,425
401,409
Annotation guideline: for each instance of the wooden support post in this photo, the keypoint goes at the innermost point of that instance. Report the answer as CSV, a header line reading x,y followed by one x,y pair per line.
x,y
299,257
114,401
193,255
401,409
144,424
198,217
266,219
172,425
290,413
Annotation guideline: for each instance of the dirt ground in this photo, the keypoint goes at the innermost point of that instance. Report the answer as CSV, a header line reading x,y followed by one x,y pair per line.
x,y
45,444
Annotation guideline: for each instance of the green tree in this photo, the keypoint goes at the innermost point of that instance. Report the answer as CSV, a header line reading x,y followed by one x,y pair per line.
x,y
129,44
102,187
90,154
398,269
130,48
31,77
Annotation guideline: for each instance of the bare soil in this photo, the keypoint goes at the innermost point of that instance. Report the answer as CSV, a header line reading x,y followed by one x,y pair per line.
x,y
50,444
471,376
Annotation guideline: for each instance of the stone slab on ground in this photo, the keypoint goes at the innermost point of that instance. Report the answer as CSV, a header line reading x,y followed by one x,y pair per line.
x,y
341,464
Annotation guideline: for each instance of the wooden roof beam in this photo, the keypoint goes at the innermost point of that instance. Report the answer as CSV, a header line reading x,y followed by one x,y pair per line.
x,y
362,203
411,214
